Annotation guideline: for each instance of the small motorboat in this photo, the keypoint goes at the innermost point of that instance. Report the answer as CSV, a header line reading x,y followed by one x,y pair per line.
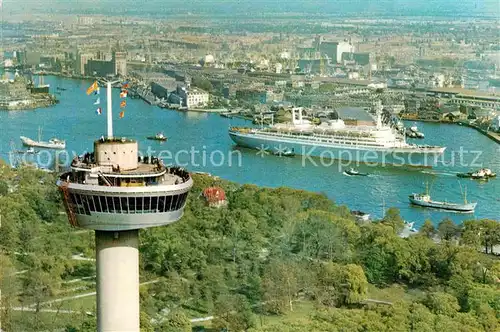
x,y
226,115
360,216
410,226
158,137
414,128
353,172
30,150
59,88
285,153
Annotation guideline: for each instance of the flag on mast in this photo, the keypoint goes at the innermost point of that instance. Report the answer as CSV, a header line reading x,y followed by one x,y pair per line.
x,y
92,88
123,103
98,111
122,114
98,101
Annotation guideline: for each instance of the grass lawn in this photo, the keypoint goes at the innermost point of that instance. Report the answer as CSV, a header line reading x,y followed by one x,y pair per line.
x,y
81,304
25,321
301,311
393,293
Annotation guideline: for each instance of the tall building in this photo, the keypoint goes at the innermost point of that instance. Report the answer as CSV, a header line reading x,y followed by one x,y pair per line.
x,y
21,57
69,56
120,61
329,48
115,192
344,47
360,58
80,62
100,68
193,97
334,50
32,58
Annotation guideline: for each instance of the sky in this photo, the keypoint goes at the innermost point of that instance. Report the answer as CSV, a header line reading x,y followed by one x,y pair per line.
x,y
255,7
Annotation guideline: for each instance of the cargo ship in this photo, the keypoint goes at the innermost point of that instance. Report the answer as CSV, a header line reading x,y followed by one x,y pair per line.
x,y
424,200
53,143
381,144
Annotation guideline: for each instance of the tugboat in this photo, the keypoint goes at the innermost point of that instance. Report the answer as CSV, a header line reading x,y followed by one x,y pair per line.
x,y
424,200
158,137
413,132
353,172
482,174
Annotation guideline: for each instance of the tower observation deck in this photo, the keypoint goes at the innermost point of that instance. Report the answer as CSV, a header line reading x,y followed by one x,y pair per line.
x,y
116,192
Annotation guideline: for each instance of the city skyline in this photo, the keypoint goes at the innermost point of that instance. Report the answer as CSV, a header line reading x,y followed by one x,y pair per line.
x,y
396,8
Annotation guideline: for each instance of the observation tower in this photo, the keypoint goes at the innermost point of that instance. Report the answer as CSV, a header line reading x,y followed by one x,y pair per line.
x,y
116,192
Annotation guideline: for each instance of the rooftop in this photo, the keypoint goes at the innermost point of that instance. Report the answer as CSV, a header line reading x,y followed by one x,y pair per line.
x,y
357,113
344,81
465,92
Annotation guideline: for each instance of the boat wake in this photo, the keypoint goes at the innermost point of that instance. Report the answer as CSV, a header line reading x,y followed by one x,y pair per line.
x,y
439,173
447,174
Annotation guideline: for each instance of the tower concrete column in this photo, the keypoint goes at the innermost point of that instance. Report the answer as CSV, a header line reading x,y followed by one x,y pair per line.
x,y
117,260
109,112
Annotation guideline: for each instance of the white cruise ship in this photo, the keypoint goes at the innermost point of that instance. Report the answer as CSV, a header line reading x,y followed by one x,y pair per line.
x,y
380,144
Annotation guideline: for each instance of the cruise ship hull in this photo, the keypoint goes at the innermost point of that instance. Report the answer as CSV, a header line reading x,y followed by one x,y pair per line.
x,y
312,149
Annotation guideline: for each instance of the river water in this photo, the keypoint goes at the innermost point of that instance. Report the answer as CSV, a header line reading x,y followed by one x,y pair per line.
x,y
201,142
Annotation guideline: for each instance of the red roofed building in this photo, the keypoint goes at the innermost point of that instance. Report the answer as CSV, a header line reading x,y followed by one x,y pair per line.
x,y
215,196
